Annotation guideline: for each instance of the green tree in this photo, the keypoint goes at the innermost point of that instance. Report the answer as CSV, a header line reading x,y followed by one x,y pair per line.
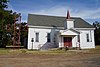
x,y
97,32
24,34
6,17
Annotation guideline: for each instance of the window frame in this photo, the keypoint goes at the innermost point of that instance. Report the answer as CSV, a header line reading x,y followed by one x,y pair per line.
x,y
48,37
87,37
37,37
90,36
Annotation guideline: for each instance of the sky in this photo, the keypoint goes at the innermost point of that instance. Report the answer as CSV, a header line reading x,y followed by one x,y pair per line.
x,y
89,10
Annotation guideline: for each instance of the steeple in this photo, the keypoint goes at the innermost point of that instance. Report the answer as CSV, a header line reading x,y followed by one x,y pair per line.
x,y
69,21
68,15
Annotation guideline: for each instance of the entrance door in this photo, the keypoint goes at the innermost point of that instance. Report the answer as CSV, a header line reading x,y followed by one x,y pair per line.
x,y
67,41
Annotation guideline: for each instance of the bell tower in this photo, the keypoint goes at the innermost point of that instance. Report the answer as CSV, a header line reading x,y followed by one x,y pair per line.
x,y
69,21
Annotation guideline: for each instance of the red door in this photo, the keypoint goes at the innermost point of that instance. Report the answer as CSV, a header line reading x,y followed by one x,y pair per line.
x,y
67,41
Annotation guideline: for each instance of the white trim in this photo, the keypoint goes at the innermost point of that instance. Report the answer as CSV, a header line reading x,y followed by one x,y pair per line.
x,y
85,28
69,32
45,27
90,36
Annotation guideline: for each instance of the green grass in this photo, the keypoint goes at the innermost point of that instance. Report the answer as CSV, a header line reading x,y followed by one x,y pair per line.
x,y
9,51
3,51
19,51
54,51
98,47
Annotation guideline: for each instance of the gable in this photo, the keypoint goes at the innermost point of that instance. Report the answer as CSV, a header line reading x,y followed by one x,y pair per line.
x,y
68,32
50,21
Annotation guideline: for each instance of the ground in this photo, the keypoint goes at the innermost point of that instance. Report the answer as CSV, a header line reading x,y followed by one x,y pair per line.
x,y
51,58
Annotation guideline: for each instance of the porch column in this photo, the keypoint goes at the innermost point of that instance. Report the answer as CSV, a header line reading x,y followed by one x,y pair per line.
x,y
60,41
78,42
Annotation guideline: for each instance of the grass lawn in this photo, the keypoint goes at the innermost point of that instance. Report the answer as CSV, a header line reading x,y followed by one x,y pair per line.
x,y
50,58
54,51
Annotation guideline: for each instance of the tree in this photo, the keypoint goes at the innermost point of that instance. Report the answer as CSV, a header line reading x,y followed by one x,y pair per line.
x,y
3,4
6,17
97,32
96,24
24,34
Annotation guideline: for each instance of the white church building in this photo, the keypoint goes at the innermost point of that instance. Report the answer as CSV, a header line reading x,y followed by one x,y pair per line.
x,y
45,32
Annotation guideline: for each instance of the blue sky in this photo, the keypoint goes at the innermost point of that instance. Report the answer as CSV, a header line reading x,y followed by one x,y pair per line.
x,y
86,9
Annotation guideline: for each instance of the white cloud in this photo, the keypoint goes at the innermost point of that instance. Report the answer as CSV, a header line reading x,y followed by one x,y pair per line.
x,y
61,11
54,11
88,14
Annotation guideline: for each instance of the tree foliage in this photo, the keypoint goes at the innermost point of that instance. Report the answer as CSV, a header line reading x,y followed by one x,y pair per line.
x,y
24,34
6,17
97,32
3,4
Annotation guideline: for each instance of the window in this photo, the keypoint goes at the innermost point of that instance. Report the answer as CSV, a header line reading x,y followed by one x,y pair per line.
x,y
78,37
87,36
37,37
48,37
90,36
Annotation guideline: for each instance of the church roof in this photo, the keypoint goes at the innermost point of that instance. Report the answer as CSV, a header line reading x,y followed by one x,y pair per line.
x,y
45,20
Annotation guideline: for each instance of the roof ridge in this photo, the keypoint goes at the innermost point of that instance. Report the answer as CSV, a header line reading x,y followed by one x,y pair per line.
x,y
52,16
47,15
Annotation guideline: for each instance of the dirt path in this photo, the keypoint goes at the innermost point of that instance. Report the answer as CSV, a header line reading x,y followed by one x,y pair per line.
x,y
50,60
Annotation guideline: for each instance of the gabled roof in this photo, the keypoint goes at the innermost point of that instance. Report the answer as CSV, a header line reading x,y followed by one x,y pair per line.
x,y
44,20
69,32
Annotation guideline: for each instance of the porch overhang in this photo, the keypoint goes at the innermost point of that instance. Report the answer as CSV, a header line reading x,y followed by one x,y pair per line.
x,y
69,32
